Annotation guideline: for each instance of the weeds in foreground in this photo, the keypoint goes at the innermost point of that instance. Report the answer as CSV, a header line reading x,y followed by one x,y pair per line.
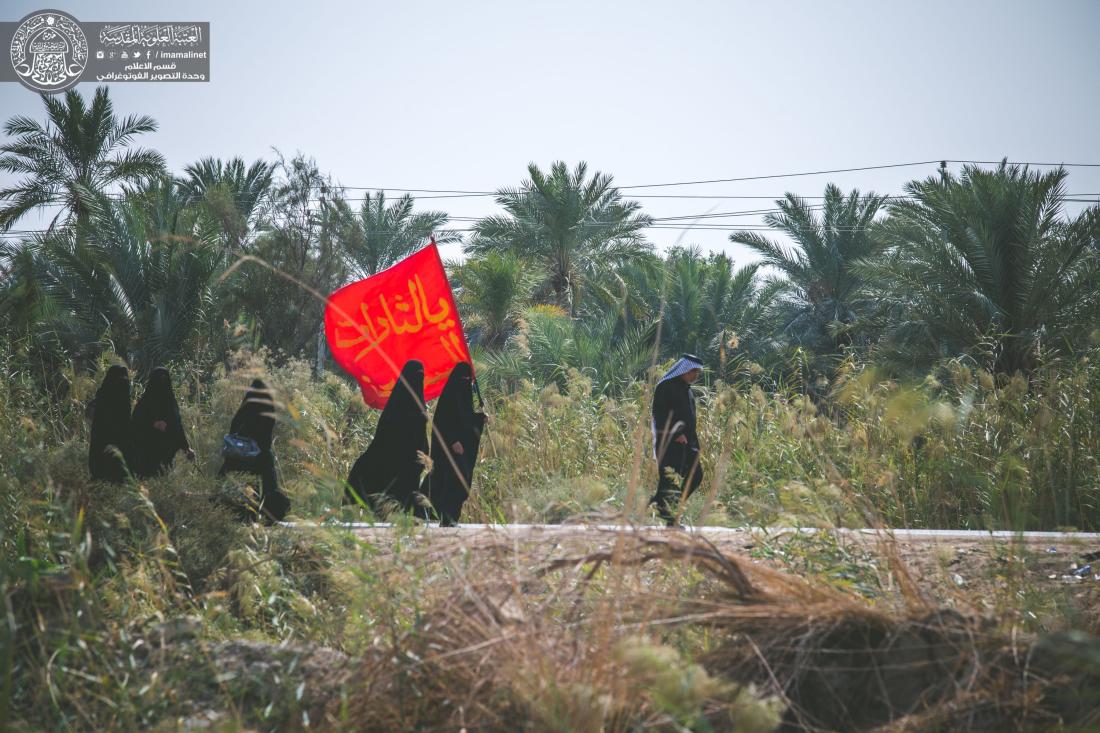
x,y
146,604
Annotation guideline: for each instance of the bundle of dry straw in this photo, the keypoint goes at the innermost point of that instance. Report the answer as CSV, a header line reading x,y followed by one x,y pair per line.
x,y
664,630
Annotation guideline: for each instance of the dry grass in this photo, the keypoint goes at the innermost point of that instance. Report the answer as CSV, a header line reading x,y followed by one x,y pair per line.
x,y
569,637
597,631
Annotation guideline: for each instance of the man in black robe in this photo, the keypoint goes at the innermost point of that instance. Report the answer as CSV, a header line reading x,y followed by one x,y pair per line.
x,y
109,445
675,441
456,437
156,428
255,419
388,472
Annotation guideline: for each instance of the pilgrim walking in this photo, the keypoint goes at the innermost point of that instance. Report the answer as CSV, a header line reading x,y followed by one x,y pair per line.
x,y
675,441
456,437
156,428
248,449
109,445
388,472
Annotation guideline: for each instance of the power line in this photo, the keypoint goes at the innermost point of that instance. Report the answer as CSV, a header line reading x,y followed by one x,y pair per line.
x,y
405,190
861,168
463,192
1037,165
698,221
679,222
893,197
439,193
772,198
669,225
708,196
889,197
783,175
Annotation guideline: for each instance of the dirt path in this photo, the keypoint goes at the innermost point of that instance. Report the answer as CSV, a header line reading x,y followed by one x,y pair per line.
x,y
1045,580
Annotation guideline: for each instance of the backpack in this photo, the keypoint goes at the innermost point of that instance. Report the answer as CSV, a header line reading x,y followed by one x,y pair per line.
x,y
239,446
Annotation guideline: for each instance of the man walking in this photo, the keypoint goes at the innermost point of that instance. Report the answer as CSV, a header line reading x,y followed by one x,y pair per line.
x,y
675,442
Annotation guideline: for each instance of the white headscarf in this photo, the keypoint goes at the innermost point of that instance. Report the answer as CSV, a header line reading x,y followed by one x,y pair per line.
x,y
686,363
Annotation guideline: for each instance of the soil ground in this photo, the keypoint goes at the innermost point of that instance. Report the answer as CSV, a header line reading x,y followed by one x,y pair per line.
x,y
1040,580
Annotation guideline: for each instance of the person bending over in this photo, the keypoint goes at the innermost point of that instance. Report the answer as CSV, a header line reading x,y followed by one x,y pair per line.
x,y
255,419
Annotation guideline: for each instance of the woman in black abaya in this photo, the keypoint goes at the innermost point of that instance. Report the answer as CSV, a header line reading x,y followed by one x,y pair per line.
x,y
456,437
389,470
256,419
156,428
109,444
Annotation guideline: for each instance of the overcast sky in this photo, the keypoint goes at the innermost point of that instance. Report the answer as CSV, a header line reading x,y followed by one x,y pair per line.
x,y
462,95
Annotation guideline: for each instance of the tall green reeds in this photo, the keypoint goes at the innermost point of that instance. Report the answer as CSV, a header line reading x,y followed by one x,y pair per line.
x,y
94,577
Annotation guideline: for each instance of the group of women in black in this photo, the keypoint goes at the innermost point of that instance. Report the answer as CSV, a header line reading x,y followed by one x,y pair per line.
x,y
387,476
144,442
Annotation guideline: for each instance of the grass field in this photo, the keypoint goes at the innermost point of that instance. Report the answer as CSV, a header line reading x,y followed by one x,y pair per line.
x,y
147,607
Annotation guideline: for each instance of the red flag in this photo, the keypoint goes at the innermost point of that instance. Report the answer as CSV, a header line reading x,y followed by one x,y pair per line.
x,y
406,312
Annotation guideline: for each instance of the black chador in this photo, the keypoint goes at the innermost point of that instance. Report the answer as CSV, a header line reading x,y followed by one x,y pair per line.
x,y
388,472
675,441
256,419
109,445
456,437
156,428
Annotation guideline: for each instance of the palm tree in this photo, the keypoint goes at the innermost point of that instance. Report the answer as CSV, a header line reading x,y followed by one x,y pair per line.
x,y
987,262
138,276
157,269
492,292
713,309
232,193
575,227
822,299
40,320
612,355
379,235
300,246
548,343
73,158
633,290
